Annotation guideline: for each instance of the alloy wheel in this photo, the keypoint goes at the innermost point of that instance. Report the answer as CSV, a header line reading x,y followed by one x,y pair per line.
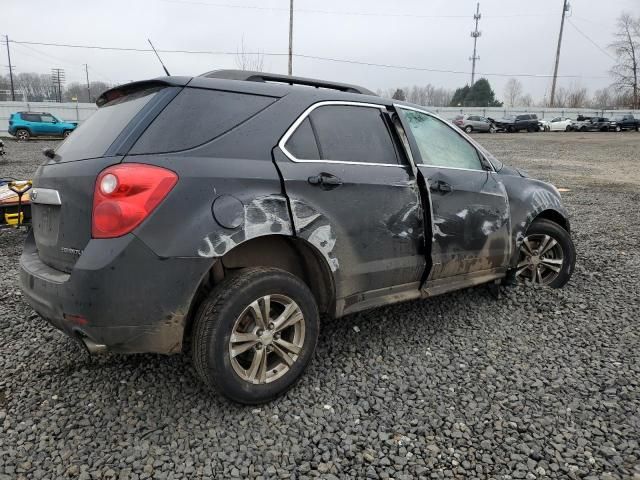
x,y
267,338
23,135
541,260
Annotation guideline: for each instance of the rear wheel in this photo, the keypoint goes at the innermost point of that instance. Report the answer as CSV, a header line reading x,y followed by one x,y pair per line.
x,y
255,334
618,128
468,129
492,129
22,134
547,255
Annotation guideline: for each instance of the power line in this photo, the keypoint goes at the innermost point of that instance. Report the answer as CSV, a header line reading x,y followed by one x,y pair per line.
x,y
591,41
300,55
333,12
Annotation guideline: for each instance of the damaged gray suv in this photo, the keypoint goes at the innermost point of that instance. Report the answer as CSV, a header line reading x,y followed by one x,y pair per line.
x,y
230,212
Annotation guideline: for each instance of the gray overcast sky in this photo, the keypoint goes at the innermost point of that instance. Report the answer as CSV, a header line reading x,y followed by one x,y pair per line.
x,y
518,36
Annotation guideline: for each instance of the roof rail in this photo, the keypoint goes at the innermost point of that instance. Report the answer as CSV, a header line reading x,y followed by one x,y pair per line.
x,y
250,76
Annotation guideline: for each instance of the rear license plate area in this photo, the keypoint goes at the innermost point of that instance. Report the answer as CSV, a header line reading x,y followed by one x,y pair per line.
x,y
46,223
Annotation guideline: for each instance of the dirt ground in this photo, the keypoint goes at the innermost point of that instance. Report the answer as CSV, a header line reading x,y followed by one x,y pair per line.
x,y
537,384
568,159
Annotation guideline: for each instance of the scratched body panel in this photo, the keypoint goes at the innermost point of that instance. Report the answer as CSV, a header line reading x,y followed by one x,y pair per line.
x,y
370,229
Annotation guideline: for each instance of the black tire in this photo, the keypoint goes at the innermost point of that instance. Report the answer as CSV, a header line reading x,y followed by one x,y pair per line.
x,y
468,129
547,227
568,129
618,128
510,129
583,129
66,133
215,322
492,129
22,134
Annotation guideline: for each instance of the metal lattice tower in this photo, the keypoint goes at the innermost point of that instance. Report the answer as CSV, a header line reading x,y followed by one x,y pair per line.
x,y
475,34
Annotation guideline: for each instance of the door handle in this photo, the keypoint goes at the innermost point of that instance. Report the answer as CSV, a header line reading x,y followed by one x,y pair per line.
x,y
441,187
325,181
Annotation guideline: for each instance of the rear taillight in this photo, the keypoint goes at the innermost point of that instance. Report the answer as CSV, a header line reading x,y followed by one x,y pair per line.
x,y
125,195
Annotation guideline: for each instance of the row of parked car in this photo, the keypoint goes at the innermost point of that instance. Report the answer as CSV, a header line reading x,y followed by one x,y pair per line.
x,y
531,123
24,125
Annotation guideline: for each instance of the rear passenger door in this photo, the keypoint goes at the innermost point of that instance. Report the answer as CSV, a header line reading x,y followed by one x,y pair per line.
x,y
353,195
32,122
469,204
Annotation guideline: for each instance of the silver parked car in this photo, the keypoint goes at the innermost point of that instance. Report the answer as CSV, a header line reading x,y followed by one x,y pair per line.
x,y
474,123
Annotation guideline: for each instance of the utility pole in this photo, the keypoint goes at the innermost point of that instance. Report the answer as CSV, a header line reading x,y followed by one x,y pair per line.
x,y
565,9
86,70
475,34
290,37
57,77
13,92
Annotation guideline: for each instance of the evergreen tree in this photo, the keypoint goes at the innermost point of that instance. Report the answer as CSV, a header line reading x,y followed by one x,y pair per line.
x,y
459,96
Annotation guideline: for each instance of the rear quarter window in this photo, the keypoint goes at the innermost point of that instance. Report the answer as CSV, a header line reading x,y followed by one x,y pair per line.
x,y
197,116
95,135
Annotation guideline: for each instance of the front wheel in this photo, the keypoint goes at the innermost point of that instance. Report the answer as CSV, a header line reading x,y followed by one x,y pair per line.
x,y
255,334
618,128
568,129
547,255
492,129
66,133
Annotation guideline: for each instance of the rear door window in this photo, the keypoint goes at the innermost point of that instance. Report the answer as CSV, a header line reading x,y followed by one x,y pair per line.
x,y
197,116
353,134
30,117
95,135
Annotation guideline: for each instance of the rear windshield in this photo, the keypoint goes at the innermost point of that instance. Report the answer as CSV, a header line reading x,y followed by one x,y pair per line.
x,y
96,134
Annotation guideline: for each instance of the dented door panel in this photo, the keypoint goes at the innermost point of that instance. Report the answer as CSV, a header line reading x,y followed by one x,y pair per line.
x,y
471,222
369,229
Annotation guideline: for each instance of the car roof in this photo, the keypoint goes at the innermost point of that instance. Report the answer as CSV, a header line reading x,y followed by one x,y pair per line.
x,y
259,83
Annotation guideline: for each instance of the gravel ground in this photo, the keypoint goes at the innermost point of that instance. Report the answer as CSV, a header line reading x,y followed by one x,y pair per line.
x,y
538,384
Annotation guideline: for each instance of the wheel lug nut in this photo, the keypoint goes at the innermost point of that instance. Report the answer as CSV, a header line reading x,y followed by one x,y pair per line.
x,y
259,332
259,346
271,326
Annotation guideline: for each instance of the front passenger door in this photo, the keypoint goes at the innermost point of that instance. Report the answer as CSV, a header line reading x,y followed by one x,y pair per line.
x,y
48,125
470,210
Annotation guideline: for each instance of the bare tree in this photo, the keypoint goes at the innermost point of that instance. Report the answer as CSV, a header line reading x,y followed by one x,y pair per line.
x,y
576,96
602,98
512,91
253,61
78,91
526,100
562,95
627,49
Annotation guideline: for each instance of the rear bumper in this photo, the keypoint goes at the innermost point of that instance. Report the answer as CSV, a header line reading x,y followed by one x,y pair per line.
x,y
119,294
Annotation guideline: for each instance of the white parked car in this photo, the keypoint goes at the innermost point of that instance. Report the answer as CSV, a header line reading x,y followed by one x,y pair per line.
x,y
560,124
